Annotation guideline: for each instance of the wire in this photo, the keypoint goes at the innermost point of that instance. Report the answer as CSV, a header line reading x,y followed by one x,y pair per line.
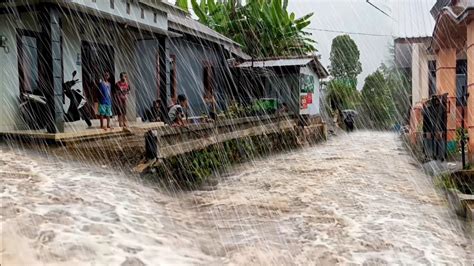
x,y
378,8
349,32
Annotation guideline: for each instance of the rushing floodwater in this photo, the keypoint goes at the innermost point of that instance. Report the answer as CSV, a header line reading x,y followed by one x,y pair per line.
x,y
358,198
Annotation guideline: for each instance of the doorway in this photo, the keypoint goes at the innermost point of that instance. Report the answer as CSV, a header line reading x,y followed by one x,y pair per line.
x,y
96,59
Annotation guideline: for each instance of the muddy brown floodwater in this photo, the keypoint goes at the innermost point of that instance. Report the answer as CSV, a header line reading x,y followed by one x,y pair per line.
x,y
357,199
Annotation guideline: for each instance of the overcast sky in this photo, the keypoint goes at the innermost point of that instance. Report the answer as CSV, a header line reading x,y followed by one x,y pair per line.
x,y
407,18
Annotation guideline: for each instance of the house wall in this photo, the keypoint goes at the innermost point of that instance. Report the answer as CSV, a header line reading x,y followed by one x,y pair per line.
x,y
146,75
420,72
9,90
191,59
123,41
285,88
103,7
315,107
10,118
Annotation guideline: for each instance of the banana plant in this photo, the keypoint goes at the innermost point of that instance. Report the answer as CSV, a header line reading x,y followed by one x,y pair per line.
x,y
264,28
183,4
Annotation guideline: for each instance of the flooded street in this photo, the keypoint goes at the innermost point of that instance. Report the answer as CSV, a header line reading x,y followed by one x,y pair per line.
x,y
358,198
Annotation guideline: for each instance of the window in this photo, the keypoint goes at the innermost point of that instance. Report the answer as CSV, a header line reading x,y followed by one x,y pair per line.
x,y
432,78
173,79
112,4
28,46
154,17
208,81
142,13
128,8
461,82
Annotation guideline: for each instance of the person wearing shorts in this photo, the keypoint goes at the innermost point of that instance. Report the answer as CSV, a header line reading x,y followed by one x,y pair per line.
x,y
105,101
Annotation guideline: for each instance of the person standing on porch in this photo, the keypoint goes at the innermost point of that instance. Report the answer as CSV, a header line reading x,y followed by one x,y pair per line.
x,y
122,91
105,101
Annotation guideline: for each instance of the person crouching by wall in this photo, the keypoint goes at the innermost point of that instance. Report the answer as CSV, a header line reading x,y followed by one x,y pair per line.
x,y
177,114
105,101
121,95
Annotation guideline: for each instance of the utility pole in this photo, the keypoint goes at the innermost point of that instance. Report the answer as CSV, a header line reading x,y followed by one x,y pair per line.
x,y
463,135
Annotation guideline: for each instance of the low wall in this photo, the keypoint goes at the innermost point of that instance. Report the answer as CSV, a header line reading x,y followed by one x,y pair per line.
x,y
188,156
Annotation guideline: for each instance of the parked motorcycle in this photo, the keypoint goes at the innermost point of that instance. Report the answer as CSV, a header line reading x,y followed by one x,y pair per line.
x,y
33,105
78,103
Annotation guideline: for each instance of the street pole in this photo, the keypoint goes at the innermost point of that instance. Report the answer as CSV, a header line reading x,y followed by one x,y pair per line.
x,y
463,142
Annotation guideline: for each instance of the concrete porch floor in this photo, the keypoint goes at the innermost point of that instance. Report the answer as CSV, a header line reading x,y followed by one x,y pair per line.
x,y
78,130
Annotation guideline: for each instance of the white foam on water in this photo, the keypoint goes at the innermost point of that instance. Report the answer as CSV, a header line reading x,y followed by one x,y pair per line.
x,y
358,198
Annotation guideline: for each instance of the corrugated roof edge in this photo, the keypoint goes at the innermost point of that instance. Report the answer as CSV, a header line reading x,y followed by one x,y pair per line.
x,y
185,24
175,24
164,6
175,13
457,18
413,39
318,67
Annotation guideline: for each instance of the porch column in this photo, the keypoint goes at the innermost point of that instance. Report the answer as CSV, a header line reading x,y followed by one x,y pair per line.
x,y
469,115
446,83
51,67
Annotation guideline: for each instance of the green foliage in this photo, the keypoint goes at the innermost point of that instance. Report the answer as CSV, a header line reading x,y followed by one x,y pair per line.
x,y
377,102
263,27
444,181
183,4
191,170
342,95
462,135
345,64
400,89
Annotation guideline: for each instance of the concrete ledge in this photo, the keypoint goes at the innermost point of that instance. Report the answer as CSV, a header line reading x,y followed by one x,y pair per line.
x,y
58,138
463,204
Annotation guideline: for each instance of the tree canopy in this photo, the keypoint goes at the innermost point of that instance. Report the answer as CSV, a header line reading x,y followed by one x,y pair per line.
x,y
341,95
264,28
345,64
377,101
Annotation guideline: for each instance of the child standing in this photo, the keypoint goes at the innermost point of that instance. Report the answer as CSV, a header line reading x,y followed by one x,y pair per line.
x,y
123,90
105,101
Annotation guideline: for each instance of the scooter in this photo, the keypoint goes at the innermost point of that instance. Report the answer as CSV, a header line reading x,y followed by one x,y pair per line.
x,y
33,104
78,103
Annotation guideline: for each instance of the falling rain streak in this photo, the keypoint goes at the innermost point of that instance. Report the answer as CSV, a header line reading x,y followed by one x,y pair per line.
x,y
357,198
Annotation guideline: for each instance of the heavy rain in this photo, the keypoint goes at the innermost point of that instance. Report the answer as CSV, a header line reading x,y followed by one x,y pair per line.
x,y
237,132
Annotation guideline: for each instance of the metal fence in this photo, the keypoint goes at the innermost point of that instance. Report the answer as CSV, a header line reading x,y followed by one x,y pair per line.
x,y
435,127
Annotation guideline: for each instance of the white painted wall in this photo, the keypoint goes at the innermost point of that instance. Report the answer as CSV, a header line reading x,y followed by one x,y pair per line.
x,y
9,82
315,107
103,6
420,73
10,118
122,40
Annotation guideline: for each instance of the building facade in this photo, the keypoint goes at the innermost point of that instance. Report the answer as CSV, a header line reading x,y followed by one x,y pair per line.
x,y
43,42
295,81
444,65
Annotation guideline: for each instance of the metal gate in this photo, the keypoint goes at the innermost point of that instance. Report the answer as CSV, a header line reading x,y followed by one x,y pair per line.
x,y
435,127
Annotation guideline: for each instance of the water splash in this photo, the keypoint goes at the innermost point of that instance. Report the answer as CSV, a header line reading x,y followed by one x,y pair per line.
x,y
359,198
